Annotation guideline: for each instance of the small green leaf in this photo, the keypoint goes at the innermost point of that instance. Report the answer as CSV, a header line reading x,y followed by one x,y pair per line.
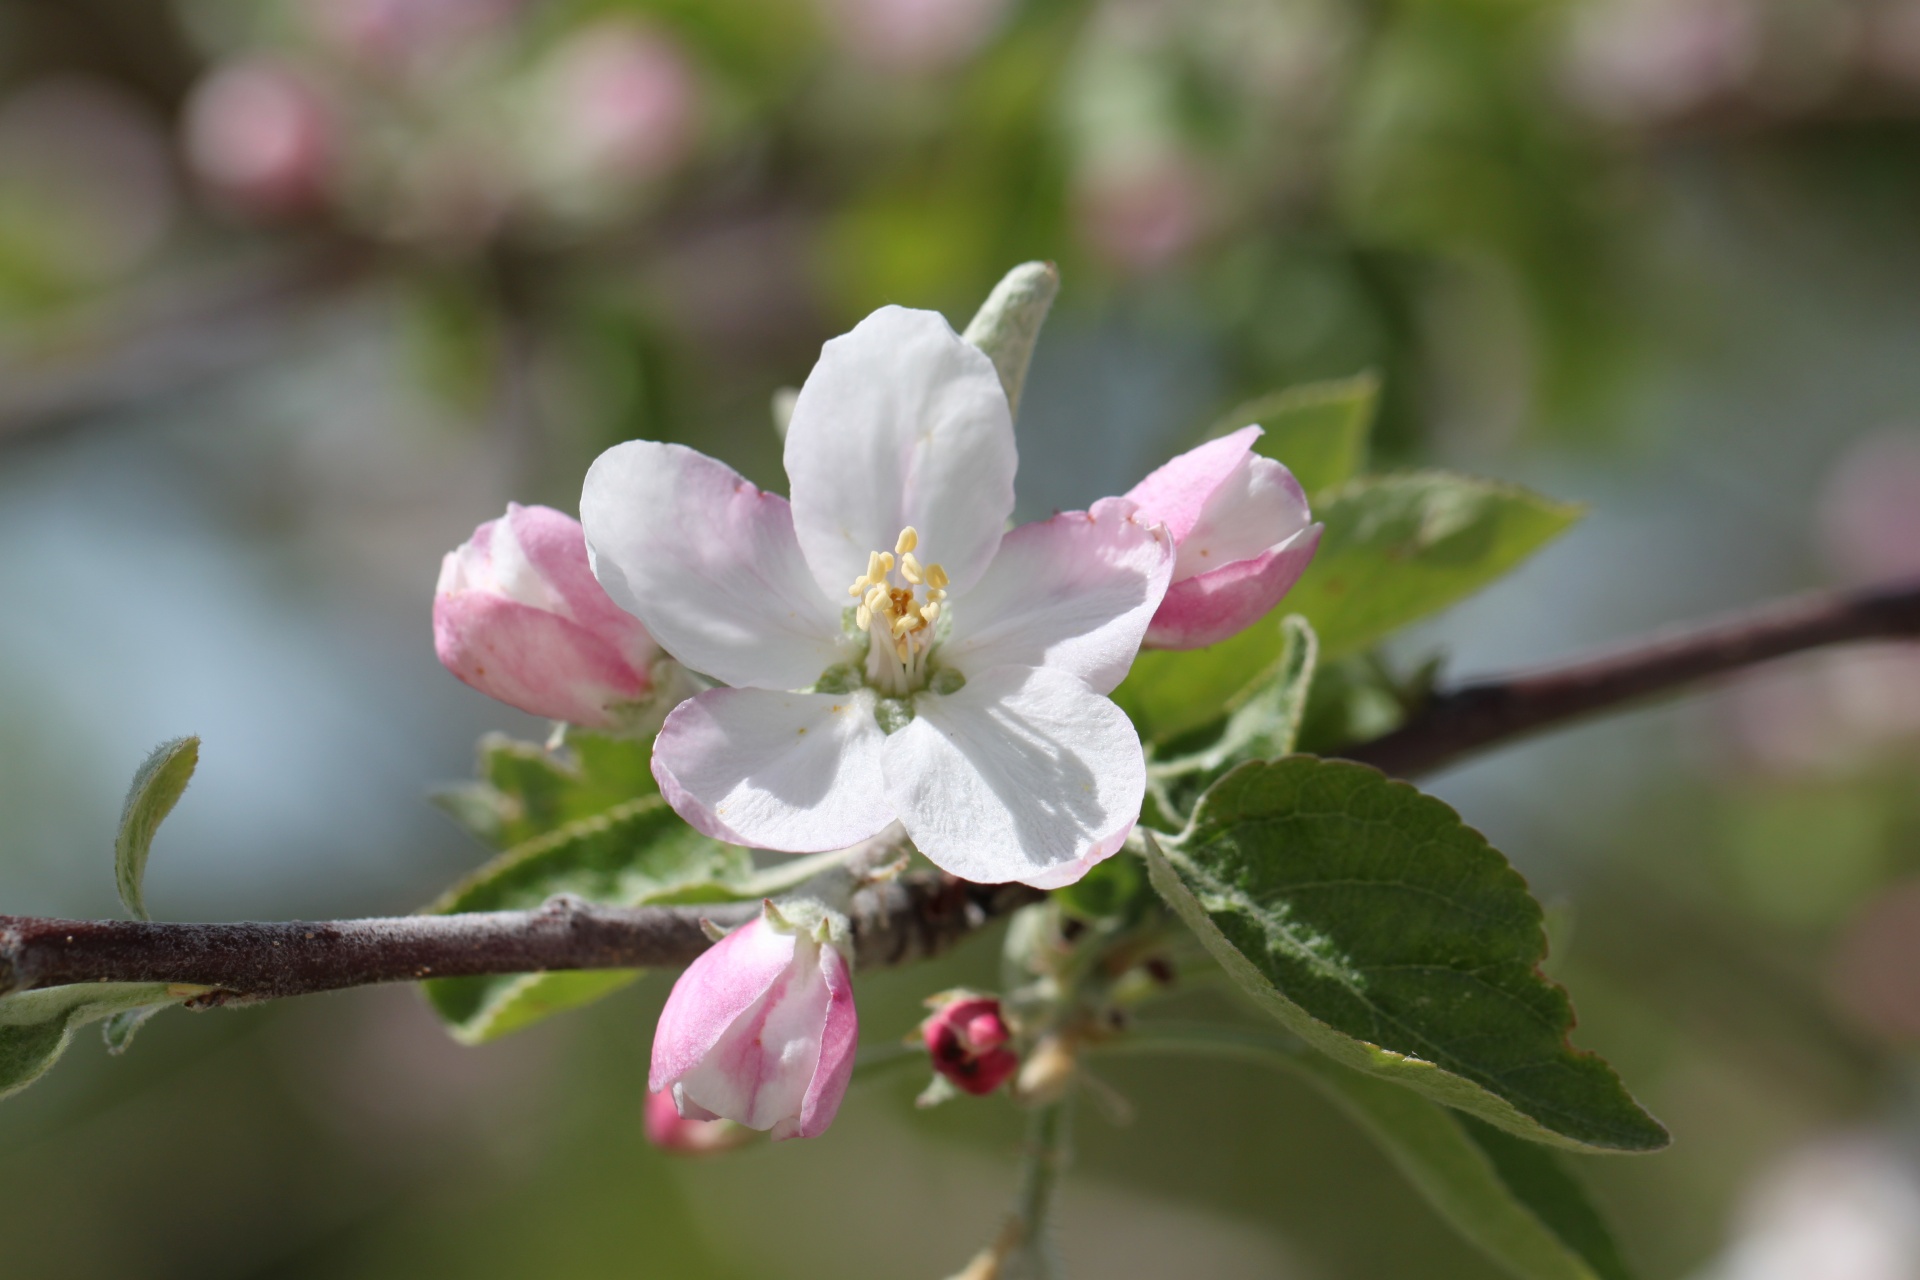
x,y
157,787
1008,323
119,1029
630,855
1169,694
1398,548
1382,930
526,790
1319,431
37,1026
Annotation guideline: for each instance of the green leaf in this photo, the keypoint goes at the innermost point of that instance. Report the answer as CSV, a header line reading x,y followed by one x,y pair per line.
x,y
1262,723
526,790
1398,548
1382,930
630,855
37,1026
1263,720
1513,1199
1008,323
157,787
1319,431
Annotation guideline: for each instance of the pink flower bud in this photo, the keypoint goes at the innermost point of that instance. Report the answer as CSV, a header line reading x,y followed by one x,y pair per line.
x,y
967,1041
761,1031
519,616
618,105
258,133
1244,534
669,1131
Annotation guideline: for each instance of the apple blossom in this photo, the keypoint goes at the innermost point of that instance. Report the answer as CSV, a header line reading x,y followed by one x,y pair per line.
x,y
760,1030
1244,534
967,1039
259,133
964,697
518,615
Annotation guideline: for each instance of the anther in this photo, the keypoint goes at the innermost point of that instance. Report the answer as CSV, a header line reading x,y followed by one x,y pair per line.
x,y
910,569
936,577
908,541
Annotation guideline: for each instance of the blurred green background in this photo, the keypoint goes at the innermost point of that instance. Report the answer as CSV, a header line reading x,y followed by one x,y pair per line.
x,y
294,293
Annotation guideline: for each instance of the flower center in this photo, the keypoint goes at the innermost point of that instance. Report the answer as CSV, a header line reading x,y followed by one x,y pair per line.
x,y
896,616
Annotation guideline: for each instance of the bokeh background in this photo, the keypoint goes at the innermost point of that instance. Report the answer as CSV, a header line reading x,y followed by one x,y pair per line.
x,y
293,293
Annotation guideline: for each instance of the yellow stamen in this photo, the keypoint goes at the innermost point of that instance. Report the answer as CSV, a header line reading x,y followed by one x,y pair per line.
x,y
910,569
929,612
907,542
863,617
936,577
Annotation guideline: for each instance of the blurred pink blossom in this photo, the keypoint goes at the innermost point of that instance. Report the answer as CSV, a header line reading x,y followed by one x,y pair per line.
x,y
1142,214
913,36
1869,515
85,178
399,35
615,105
259,133
967,1040
1635,61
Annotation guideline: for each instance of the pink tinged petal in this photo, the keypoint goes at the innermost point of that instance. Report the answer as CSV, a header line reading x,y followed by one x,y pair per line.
x,y
709,563
1258,506
1226,601
900,423
1024,774
728,979
1178,492
839,1037
761,1069
540,662
799,772
554,547
1074,593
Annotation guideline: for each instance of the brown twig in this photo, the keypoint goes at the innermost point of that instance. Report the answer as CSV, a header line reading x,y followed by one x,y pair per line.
x,y
1457,722
910,918
913,917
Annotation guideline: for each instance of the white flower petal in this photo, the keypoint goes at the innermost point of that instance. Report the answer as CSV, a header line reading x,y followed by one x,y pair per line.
x,y
1074,593
1024,774
798,772
900,423
710,564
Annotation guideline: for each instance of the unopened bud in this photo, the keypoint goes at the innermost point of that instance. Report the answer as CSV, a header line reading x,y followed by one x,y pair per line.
x,y
259,134
967,1040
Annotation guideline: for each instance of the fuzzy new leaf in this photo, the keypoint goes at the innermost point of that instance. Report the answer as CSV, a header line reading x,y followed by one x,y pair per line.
x,y
157,787
37,1026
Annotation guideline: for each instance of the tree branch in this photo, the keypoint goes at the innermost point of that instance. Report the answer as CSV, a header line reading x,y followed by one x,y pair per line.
x,y
910,918
1457,722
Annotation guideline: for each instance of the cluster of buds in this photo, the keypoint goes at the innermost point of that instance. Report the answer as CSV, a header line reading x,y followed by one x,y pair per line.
x,y
419,120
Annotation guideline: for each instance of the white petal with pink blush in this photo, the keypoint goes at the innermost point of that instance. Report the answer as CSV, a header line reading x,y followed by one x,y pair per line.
x,y
1244,534
897,654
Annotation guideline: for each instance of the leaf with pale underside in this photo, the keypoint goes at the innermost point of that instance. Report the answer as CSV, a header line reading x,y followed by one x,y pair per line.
x,y
1374,924
157,787
1007,326
37,1026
